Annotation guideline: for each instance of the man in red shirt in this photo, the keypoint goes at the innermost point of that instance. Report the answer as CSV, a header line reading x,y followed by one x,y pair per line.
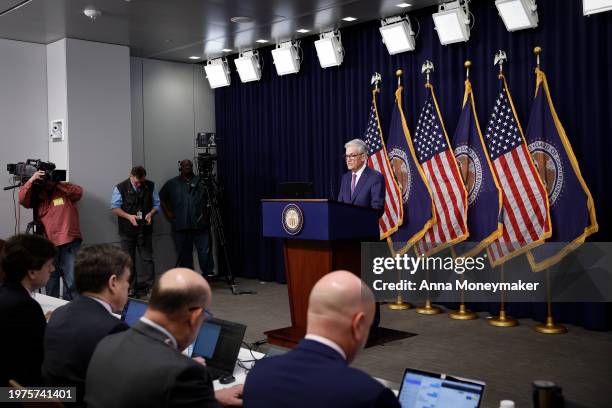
x,y
55,206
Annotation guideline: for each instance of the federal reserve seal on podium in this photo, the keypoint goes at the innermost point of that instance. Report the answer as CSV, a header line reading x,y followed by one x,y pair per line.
x,y
293,219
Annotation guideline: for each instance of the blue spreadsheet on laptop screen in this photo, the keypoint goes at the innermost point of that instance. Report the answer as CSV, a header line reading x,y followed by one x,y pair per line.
x,y
206,343
134,311
422,391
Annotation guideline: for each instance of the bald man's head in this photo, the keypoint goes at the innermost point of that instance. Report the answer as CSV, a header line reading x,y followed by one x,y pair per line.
x,y
178,290
341,308
339,294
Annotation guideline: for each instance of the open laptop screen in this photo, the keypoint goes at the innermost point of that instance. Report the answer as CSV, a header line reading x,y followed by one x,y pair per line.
x,y
206,343
421,389
133,311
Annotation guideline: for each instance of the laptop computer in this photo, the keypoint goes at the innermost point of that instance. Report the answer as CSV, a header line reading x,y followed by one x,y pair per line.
x,y
421,389
218,342
133,311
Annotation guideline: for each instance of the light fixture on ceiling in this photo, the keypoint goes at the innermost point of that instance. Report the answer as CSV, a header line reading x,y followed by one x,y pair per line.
x,y
286,58
397,34
329,49
403,5
241,19
452,22
595,6
349,19
92,13
217,73
248,66
518,14
261,41
303,30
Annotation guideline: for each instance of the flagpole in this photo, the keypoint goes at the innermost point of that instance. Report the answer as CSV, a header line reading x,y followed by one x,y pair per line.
x,y
502,320
549,327
463,313
399,304
427,308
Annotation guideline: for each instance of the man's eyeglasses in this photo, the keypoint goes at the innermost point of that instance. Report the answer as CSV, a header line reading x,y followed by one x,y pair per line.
x,y
207,313
351,156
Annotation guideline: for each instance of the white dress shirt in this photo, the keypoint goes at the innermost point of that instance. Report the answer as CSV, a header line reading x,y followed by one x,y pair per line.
x,y
359,172
327,342
103,303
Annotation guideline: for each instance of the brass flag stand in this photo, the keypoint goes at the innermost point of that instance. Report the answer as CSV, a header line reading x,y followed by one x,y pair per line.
x,y
427,308
549,327
502,320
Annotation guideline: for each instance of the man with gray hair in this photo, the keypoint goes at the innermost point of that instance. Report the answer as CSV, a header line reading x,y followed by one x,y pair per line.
x,y
316,373
361,185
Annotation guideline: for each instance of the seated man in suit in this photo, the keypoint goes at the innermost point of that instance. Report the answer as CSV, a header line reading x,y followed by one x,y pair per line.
x,y
102,278
27,263
316,372
144,366
361,185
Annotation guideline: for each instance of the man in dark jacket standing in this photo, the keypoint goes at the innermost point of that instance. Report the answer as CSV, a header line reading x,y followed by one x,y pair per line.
x,y
135,202
102,277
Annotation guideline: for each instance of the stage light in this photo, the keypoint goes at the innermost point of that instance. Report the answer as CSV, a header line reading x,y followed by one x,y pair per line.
x,y
397,35
329,49
286,58
452,22
595,6
217,73
518,14
248,66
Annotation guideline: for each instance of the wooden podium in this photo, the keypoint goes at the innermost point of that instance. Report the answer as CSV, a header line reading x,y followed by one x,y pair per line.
x,y
319,236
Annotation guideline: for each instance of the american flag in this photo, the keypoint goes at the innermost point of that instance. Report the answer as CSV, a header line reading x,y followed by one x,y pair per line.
x,y
526,216
440,167
379,161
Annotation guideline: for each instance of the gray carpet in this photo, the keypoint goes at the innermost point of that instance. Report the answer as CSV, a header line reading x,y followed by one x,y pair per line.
x,y
507,359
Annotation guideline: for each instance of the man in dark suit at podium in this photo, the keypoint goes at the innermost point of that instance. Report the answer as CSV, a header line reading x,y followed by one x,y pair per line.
x,y
316,373
361,185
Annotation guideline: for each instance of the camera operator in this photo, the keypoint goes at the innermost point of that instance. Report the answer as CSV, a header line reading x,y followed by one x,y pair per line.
x,y
55,206
135,201
182,199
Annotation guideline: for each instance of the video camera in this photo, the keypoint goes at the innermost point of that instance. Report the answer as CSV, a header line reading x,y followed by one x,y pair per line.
x,y
22,171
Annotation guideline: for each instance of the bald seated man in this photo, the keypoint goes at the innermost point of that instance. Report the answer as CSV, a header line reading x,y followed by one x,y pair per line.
x,y
316,372
144,366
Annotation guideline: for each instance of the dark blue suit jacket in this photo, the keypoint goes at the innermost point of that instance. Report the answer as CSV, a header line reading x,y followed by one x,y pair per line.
x,y
369,191
73,332
313,375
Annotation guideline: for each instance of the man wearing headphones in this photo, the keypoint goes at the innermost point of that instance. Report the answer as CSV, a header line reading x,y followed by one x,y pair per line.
x,y
182,200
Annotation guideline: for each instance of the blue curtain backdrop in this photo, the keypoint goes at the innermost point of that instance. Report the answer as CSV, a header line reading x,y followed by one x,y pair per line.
x,y
293,128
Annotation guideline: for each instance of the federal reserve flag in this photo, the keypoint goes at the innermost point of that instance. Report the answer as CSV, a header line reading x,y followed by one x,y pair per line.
x,y
484,195
434,153
526,215
379,161
572,210
416,197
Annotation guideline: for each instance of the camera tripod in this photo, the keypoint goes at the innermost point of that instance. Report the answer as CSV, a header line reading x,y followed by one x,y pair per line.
x,y
211,197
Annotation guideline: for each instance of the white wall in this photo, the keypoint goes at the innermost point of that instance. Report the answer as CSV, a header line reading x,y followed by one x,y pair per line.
x,y
171,102
23,115
99,130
